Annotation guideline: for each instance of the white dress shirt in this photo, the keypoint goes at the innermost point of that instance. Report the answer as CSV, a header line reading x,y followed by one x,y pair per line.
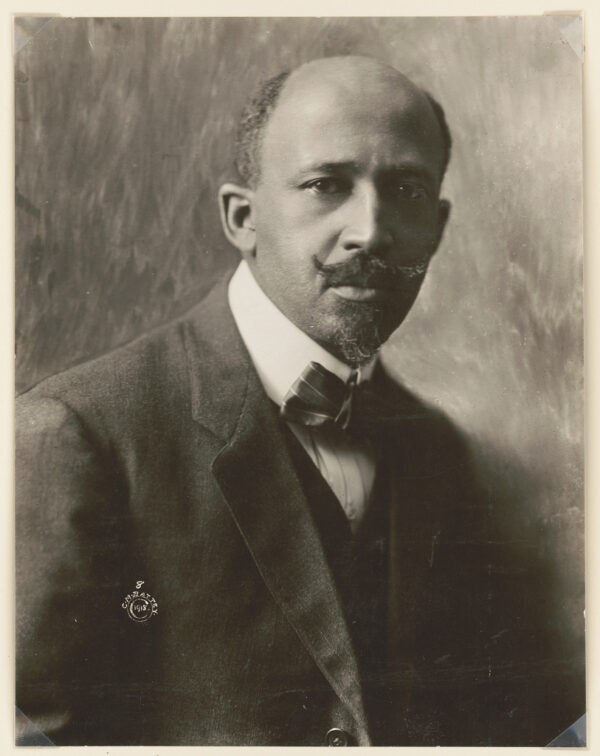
x,y
280,351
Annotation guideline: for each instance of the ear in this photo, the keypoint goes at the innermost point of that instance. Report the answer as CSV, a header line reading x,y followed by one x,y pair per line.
x,y
237,217
444,208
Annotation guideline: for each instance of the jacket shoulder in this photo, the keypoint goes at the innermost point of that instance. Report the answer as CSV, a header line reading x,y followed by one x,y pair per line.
x,y
117,371
151,369
427,428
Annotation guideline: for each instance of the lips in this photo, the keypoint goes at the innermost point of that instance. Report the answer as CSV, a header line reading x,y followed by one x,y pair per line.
x,y
364,293
378,281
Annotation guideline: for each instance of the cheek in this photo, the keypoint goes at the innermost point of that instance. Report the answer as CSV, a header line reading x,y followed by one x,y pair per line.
x,y
290,238
417,232
284,258
276,228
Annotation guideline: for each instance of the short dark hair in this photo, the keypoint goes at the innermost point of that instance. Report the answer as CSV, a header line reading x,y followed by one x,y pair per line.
x,y
251,126
257,112
438,111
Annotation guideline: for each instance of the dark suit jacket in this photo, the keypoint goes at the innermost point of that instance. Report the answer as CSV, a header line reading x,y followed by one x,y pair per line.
x,y
165,462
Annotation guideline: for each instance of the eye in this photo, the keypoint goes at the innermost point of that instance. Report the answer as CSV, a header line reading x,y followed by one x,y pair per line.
x,y
328,185
410,192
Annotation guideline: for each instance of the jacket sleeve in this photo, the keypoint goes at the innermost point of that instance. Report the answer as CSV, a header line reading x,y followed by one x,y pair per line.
x,y
68,538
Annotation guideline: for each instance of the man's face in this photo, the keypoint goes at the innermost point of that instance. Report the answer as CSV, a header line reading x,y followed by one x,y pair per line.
x,y
347,212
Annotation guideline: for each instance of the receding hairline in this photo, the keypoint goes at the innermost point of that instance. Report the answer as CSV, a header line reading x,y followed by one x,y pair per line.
x,y
339,70
344,67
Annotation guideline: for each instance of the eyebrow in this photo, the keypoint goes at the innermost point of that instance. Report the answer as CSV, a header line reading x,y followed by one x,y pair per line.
x,y
352,167
338,166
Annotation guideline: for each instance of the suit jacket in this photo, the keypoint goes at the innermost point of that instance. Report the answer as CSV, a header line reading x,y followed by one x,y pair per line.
x,y
164,462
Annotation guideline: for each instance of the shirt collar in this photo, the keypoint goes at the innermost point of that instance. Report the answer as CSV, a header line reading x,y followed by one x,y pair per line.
x,y
278,349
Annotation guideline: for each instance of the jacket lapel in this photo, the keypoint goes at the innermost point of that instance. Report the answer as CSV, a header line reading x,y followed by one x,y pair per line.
x,y
260,486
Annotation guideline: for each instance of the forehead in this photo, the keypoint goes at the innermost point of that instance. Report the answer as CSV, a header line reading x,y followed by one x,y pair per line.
x,y
379,125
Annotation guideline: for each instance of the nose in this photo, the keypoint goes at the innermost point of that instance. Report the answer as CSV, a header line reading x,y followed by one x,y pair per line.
x,y
368,225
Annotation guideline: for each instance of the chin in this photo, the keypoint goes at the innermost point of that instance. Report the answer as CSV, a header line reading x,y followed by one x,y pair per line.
x,y
357,333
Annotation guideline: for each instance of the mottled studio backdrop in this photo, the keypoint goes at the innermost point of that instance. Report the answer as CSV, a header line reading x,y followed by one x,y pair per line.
x,y
124,132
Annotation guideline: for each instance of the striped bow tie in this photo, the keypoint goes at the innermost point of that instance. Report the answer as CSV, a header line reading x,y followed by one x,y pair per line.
x,y
319,397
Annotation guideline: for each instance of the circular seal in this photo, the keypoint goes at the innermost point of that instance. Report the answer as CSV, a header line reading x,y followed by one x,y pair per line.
x,y
140,606
139,609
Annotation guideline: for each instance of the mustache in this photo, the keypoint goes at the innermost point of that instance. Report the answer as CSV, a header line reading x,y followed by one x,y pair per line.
x,y
366,271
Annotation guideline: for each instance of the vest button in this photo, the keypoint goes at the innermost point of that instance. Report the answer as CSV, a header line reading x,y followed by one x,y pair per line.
x,y
337,737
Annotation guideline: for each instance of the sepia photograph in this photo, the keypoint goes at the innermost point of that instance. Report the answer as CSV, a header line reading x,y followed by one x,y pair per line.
x,y
299,427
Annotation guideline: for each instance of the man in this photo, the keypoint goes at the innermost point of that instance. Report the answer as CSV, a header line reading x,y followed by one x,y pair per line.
x,y
238,529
